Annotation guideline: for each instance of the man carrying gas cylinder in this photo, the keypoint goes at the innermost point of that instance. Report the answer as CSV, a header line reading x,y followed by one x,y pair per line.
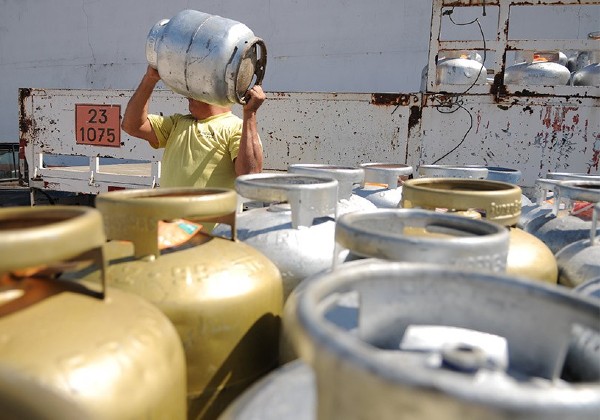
x,y
209,147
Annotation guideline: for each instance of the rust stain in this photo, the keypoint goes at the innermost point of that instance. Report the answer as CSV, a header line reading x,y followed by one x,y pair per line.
x,y
414,118
595,154
387,99
25,123
554,118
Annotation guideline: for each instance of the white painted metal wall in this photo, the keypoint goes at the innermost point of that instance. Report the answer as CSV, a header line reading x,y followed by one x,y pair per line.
x,y
314,45
533,134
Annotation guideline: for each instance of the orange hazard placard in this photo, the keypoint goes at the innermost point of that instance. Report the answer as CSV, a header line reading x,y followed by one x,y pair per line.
x,y
98,125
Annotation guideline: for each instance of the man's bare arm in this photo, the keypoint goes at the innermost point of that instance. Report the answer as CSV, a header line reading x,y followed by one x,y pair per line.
x,y
250,156
135,120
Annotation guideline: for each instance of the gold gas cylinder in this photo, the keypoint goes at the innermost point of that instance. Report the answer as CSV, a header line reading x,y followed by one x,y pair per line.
x,y
76,350
498,202
224,297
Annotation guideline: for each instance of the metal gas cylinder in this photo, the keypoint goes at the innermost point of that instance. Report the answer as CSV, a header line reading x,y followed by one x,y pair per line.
x,y
206,57
510,175
544,196
460,68
434,343
424,236
589,75
579,261
296,231
499,173
572,176
78,350
383,183
561,227
457,68
224,297
493,173
498,202
453,171
589,288
538,69
348,179
541,205
409,235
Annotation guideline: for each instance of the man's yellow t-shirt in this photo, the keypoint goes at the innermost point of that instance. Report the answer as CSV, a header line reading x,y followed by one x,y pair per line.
x,y
198,153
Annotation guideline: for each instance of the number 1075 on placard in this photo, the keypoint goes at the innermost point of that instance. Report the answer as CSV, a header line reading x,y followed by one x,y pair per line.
x,y
98,125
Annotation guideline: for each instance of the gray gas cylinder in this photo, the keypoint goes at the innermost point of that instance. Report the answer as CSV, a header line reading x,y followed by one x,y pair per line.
x,y
579,261
296,231
433,342
589,74
348,178
540,207
410,235
572,176
502,174
424,236
589,288
453,171
458,68
544,194
560,228
383,183
206,57
538,69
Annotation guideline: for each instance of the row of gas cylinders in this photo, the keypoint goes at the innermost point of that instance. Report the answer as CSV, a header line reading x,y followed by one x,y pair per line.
x,y
532,68
324,292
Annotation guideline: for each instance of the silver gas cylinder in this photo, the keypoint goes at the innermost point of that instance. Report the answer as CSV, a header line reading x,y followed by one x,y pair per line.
x,y
424,236
538,69
589,288
206,57
434,343
453,171
348,179
562,227
78,350
296,231
510,175
458,68
589,74
502,174
409,235
540,206
572,176
383,183
579,261
544,195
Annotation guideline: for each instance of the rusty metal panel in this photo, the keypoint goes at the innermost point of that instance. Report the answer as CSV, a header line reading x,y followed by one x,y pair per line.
x,y
48,121
50,142
533,134
336,128
496,47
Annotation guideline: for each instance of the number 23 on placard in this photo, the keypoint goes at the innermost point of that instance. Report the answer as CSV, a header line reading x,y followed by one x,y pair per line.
x,y
98,125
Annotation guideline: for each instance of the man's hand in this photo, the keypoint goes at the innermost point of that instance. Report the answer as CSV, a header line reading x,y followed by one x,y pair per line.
x,y
254,99
152,75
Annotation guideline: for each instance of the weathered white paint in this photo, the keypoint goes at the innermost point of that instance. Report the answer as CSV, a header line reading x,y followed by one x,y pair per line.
x,y
533,134
536,135
314,46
